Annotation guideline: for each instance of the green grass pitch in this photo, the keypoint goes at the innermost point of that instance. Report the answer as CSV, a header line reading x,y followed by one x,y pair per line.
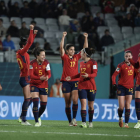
x,y
59,130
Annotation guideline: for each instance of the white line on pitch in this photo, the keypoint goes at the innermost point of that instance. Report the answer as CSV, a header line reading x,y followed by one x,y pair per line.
x,y
65,133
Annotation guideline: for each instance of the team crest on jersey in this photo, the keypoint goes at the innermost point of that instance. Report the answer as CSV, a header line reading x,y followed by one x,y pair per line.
x,y
74,59
44,66
35,67
126,68
119,91
64,89
88,66
32,88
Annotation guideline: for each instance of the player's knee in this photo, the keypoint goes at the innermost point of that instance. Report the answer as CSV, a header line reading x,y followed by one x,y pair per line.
x,y
90,107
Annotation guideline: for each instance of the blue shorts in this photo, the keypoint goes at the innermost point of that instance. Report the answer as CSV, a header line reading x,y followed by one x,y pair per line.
x,y
122,91
137,88
42,91
69,86
24,81
87,94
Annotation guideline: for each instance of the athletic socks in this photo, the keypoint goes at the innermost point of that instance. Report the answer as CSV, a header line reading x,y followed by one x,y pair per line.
x,y
35,108
83,115
137,107
68,113
127,115
24,109
74,109
90,113
42,108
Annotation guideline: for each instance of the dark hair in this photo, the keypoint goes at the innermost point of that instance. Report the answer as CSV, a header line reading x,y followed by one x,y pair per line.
x,y
7,35
128,51
68,46
22,42
33,22
106,30
36,51
89,51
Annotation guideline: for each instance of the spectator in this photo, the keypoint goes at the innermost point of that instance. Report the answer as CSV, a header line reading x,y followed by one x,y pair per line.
x,y
64,20
59,11
56,89
133,11
109,7
121,12
24,31
80,6
75,26
14,9
34,45
40,31
35,8
98,21
46,11
2,29
8,43
54,4
70,37
3,9
85,24
25,11
91,22
137,20
127,21
1,47
107,39
47,46
13,30
72,12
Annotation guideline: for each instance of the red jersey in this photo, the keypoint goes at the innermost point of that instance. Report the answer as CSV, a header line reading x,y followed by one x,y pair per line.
x,y
23,57
137,67
90,68
70,66
36,71
126,75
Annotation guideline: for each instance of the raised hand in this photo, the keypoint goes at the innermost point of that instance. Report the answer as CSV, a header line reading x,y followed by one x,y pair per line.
x,y
31,27
64,34
35,31
85,35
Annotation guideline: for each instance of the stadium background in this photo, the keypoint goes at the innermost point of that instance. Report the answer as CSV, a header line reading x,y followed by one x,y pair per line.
x,y
108,57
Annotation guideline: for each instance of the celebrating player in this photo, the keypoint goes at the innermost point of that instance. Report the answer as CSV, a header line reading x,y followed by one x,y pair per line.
x,y
137,90
40,73
23,60
70,68
125,87
86,86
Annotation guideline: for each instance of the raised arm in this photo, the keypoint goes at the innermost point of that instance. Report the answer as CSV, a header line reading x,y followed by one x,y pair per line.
x,y
117,71
86,40
62,51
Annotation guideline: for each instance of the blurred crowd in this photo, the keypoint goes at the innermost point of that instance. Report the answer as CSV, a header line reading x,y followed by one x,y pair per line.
x,y
67,14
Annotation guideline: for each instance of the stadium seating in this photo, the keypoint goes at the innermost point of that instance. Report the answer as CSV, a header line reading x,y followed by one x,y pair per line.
x,y
80,15
40,21
95,9
5,20
113,29
16,19
101,29
53,28
51,21
109,16
137,30
41,41
49,34
127,35
117,36
27,20
127,30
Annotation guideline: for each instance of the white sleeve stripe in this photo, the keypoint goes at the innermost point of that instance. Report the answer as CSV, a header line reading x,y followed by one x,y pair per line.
x,y
48,67
94,67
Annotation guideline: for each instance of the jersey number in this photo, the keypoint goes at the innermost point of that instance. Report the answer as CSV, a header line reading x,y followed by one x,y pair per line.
x,y
76,84
131,90
83,70
40,72
20,63
72,64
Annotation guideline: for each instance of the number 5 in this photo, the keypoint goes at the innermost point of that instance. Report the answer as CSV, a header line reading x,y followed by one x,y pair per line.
x,y
40,72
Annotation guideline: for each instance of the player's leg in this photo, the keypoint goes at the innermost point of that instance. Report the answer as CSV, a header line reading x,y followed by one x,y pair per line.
x,y
121,100
67,97
137,105
128,99
43,102
83,100
74,106
66,88
35,97
27,99
91,97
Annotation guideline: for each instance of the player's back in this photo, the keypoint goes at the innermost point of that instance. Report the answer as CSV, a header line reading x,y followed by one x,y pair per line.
x,y
23,62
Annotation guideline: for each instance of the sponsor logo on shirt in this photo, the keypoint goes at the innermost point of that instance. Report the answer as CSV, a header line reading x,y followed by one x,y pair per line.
x,y
117,69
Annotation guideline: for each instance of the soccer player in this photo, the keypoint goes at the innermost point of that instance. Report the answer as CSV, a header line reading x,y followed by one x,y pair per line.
x,y
125,87
70,68
0,87
137,89
87,85
40,73
23,60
